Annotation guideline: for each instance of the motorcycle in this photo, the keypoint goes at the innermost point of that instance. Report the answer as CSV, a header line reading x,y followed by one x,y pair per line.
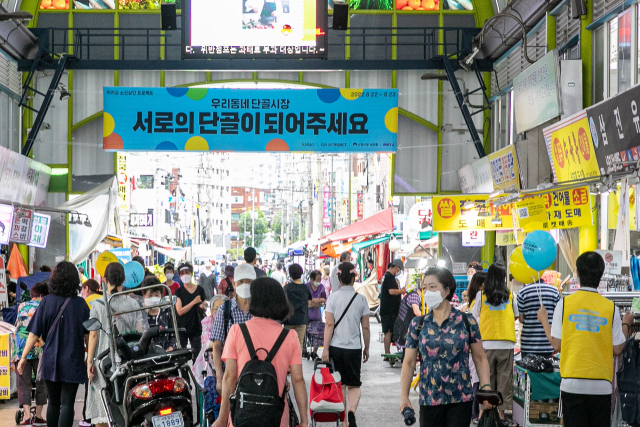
x,y
146,386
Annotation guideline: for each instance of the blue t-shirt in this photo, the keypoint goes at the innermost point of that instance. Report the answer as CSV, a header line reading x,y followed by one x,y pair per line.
x,y
63,357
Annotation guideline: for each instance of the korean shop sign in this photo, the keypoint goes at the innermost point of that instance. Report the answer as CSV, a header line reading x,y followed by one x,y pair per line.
x,y
570,149
555,210
40,230
510,237
615,129
504,169
449,214
253,120
21,229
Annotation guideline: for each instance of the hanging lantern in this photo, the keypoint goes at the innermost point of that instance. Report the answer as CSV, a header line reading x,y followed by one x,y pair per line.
x,y
394,245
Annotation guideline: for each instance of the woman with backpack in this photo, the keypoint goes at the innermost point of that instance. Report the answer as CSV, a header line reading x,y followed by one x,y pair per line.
x,y
410,307
263,333
444,338
496,309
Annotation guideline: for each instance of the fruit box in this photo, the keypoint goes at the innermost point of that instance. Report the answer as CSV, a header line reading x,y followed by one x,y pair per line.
x,y
544,413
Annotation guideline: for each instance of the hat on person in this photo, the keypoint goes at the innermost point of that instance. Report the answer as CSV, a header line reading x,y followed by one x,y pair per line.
x,y
208,266
398,263
244,271
228,271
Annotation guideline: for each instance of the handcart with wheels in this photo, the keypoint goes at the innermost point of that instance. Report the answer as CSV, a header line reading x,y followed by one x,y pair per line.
x,y
326,402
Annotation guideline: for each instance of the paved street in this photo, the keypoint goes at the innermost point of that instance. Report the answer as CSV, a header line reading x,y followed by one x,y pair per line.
x,y
380,392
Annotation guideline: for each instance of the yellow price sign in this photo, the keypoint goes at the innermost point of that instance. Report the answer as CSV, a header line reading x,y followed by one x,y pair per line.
x,y
5,370
449,214
555,210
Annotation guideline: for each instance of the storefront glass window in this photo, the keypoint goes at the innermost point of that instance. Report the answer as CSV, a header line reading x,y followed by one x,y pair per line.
x,y
613,57
598,64
624,51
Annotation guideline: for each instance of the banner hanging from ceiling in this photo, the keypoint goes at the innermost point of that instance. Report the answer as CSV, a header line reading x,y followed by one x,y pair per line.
x,y
555,210
449,214
570,149
615,127
251,120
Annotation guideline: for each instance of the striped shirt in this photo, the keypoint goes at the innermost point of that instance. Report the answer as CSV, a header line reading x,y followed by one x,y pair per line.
x,y
533,338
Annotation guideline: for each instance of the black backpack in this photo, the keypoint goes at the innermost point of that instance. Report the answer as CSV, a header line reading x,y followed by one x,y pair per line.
x,y
257,400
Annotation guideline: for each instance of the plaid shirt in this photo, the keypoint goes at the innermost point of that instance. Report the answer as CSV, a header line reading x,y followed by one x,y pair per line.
x,y
237,317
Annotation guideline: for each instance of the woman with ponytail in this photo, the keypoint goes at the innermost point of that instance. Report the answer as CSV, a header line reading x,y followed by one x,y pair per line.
x,y
346,312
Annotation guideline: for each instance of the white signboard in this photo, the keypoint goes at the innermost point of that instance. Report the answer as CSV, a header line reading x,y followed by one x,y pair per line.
x,y
40,230
459,268
537,98
612,261
141,220
419,214
467,182
473,238
482,175
21,229
6,222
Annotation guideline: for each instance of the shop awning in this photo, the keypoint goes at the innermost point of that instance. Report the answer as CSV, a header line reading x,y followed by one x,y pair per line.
x,y
359,246
334,249
177,254
424,235
382,222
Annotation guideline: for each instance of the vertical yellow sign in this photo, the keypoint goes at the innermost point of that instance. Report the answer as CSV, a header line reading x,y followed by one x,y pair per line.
x,y
5,382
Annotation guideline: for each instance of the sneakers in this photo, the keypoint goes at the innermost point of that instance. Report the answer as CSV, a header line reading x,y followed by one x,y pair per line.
x,y
41,422
351,417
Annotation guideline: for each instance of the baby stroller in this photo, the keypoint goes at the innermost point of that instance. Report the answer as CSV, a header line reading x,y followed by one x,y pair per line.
x,y
308,348
326,402
211,407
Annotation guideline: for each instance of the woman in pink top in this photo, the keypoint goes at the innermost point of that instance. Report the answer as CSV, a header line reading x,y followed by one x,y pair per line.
x,y
269,307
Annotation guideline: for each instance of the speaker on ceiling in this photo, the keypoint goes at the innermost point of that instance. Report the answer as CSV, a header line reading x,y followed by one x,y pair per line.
x,y
578,8
340,16
168,15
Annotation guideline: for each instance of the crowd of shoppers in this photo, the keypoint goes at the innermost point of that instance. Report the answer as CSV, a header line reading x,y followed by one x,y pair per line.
x,y
462,350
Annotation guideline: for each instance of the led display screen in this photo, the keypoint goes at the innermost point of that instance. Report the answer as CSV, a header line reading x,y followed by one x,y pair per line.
x,y
255,29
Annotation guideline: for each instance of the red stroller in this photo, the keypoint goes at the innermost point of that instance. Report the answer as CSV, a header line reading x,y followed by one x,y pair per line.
x,y
326,402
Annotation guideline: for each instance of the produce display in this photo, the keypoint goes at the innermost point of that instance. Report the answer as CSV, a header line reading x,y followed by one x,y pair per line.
x,y
54,4
139,4
417,4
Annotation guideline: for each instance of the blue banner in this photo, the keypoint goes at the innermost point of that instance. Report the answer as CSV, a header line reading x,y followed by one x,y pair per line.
x,y
252,120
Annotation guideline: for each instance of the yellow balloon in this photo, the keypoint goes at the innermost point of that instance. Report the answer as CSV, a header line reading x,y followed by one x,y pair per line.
x,y
104,259
519,268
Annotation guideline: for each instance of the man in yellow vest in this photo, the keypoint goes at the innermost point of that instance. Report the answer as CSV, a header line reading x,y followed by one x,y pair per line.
x,y
588,332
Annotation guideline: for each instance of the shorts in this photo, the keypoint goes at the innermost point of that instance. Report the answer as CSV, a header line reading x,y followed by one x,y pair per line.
x,y
388,322
349,363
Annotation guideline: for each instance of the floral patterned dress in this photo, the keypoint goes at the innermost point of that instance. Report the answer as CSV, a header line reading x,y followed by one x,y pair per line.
x,y
26,310
444,349
200,365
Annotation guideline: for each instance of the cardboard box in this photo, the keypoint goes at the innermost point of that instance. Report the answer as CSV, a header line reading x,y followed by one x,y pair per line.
x,y
544,413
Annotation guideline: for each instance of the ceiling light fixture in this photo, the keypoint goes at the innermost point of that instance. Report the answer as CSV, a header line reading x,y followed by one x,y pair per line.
x,y
64,93
87,223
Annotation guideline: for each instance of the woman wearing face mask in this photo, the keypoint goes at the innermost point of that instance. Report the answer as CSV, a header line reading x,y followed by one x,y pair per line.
x,y
157,316
496,308
90,291
444,338
189,300
315,328
169,274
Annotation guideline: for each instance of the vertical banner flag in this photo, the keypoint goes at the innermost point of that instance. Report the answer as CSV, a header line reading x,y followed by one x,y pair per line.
x,y
326,207
570,149
201,119
124,189
5,367
504,169
615,129
555,210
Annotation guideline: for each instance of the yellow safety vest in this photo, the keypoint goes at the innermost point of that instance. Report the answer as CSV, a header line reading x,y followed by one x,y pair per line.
x,y
497,323
587,343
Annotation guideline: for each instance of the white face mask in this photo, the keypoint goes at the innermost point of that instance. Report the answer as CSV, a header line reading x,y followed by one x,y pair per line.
x,y
151,301
244,290
186,278
169,276
433,299
469,277
316,284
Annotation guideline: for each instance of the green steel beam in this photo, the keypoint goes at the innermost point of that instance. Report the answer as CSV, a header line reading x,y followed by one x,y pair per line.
x,y
586,54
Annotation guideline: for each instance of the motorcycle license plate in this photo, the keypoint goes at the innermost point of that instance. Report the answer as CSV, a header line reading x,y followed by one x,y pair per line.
x,y
172,420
